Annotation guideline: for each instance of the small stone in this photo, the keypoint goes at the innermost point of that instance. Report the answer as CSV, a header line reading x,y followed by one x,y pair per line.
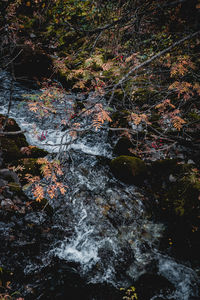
x,y
172,178
191,162
3,182
6,203
8,193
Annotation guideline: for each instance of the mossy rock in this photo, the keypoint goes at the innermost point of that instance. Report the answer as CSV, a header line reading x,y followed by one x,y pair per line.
x,y
177,197
32,64
122,147
62,77
15,188
11,124
37,152
11,144
129,169
161,169
145,96
183,198
11,148
29,166
180,210
149,285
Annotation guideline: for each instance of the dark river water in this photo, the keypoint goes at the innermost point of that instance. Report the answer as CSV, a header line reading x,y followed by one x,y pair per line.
x,y
107,238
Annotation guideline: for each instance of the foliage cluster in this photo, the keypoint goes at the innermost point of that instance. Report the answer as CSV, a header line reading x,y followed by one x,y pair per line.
x,y
126,51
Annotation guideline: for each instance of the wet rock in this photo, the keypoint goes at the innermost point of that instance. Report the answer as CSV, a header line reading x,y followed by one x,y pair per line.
x,y
15,188
7,203
129,169
119,119
37,218
37,152
1,197
29,166
11,148
6,228
3,182
149,285
32,64
178,207
11,144
9,175
7,193
122,147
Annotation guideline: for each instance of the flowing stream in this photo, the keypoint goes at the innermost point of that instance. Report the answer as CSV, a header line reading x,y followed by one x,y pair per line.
x,y
108,235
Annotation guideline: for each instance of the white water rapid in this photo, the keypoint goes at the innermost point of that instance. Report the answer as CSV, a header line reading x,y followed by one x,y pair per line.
x,y
109,236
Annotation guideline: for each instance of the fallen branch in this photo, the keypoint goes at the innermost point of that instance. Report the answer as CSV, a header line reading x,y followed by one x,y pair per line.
x,y
12,132
148,61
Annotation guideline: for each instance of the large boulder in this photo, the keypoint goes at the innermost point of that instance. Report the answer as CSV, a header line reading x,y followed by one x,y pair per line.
x,y
32,64
149,285
129,169
123,147
176,188
12,145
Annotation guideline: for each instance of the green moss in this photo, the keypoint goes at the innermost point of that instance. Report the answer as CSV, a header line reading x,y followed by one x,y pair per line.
x,y
183,198
162,168
192,116
180,197
11,150
145,95
37,152
119,119
11,124
122,147
129,169
11,144
14,187
30,166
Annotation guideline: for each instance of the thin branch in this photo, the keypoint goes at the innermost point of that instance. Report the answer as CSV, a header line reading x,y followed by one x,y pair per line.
x,y
13,58
148,61
12,132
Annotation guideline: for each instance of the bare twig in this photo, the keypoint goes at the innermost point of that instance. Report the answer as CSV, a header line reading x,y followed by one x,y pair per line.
x,y
13,58
12,132
148,61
